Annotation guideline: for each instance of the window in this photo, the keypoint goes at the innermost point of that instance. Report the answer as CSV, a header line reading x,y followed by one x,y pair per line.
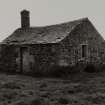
x,y
84,51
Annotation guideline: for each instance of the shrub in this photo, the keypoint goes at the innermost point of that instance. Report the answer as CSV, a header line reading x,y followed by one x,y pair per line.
x,y
58,71
37,101
102,67
43,85
63,101
90,68
37,73
62,71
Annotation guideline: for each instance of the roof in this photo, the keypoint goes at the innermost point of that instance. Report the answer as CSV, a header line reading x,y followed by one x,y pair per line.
x,y
42,35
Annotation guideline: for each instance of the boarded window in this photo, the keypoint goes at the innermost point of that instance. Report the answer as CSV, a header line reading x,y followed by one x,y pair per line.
x,y
84,51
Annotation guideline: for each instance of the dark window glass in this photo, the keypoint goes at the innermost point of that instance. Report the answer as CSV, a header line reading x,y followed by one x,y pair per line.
x,y
84,51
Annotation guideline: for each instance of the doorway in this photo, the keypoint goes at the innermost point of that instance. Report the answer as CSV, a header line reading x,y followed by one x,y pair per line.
x,y
24,60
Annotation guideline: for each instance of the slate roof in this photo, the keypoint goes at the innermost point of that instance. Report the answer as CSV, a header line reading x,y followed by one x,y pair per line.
x,y
42,35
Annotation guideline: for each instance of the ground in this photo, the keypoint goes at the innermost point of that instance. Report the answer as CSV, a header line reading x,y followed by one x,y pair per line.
x,y
78,89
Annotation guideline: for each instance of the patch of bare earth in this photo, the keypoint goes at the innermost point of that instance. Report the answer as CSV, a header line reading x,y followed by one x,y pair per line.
x,y
78,89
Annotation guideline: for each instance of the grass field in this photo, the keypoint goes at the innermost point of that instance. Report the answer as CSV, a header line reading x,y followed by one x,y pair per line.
x,y
78,89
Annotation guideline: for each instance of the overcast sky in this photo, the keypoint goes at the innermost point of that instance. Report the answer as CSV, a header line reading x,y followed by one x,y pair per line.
x,y
47,12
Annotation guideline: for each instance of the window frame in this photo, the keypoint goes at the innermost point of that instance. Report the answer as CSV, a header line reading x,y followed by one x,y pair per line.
x,y
85,55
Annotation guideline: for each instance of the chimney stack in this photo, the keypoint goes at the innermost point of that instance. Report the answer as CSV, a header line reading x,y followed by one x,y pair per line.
x,y
25,19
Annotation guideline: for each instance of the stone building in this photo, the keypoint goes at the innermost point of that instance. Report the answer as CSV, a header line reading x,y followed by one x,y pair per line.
x,y
30,49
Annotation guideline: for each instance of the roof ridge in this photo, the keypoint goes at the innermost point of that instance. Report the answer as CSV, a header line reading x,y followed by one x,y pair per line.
x,y
48,34
61,23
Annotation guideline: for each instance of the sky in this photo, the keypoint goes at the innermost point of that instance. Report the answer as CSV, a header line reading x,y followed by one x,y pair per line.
x,y
48,12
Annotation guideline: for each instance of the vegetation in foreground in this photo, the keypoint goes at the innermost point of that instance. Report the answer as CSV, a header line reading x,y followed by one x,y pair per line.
x,y
77,89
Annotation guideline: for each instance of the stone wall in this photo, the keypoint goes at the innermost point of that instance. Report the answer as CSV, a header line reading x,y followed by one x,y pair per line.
x,y
28,58
45,56
71,46
7,58
42,57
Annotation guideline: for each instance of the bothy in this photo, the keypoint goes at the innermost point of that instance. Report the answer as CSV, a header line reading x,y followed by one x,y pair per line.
x,y
39,49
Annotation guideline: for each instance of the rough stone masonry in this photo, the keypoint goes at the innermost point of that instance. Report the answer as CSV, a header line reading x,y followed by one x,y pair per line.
x,y
30,49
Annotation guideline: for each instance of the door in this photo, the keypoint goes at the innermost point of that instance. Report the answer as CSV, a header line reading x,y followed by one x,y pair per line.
x,y
26,60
